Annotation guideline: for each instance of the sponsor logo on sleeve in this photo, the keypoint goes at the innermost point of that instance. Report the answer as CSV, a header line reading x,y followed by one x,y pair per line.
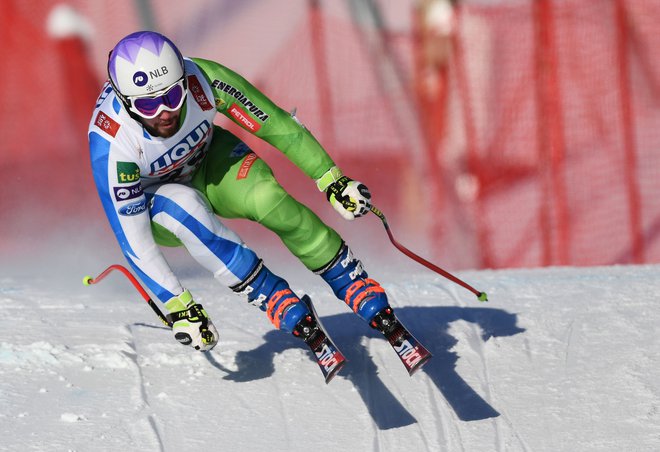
x,y
127,172
107,89
246,165
130,192
243,105
198,93
133,209
243,119
107,124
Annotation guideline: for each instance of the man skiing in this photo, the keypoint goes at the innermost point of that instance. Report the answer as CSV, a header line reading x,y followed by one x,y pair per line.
x,y
165,172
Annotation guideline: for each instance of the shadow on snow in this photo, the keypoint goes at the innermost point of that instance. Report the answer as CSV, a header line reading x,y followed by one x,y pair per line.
x,y
429,324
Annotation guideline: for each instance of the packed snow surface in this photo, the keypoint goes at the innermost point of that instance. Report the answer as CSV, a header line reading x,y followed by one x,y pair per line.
x,y
559,359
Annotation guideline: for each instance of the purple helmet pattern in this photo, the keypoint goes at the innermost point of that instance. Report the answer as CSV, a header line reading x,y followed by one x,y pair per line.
x,y
144,62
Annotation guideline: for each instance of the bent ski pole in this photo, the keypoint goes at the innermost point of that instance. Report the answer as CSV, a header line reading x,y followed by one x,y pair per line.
x,y
87,280
480,295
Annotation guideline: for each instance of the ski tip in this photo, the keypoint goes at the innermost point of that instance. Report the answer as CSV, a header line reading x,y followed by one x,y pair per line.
x,y
420,364
334,371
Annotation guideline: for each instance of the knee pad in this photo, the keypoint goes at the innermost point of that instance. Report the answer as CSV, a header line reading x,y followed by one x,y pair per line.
x,y
172,205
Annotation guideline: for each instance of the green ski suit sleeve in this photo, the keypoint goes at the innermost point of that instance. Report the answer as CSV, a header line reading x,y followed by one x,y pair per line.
x,y
244,104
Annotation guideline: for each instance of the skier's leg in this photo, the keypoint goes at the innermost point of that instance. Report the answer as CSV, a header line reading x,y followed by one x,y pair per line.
x,y
180,215
238,184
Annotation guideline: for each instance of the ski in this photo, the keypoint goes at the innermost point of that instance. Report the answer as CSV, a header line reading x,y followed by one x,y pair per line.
x,y
411,352
311,331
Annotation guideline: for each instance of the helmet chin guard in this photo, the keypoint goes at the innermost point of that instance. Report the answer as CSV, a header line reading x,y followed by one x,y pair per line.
x,y
144,63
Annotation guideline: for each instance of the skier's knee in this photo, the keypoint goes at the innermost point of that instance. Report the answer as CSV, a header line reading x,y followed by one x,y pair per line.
x,y
173,204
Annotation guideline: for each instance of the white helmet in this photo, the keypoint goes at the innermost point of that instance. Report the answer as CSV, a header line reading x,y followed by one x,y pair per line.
x,y
144,63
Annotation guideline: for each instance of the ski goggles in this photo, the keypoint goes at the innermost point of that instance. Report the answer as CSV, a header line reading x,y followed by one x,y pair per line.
x,y
170,99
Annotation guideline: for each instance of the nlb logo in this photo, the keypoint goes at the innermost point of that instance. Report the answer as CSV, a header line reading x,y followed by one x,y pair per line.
x,y
158,72
124,193
133,209
180,152
408,353
127,172
140,78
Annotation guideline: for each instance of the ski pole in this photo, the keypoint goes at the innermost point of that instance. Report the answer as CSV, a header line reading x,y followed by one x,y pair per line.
x,y
480,295
87,280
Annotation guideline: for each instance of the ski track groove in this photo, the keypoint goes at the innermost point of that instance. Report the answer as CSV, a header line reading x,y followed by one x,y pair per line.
x,y
444,433
489,394
487,386
453,424
376,445
143,390
420,428
399,394
569,340
479,349
282,410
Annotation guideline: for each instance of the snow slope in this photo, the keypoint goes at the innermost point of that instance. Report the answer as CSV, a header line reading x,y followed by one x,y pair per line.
x,y
560,359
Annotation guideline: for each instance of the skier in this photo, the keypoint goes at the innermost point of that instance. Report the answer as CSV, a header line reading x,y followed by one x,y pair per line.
x,y
165,172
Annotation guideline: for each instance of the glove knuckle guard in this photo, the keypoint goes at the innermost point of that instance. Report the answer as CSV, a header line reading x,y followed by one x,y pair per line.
x,y
191,324
183,338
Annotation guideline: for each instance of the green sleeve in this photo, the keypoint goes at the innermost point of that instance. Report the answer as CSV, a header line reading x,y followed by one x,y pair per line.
x,y
248,107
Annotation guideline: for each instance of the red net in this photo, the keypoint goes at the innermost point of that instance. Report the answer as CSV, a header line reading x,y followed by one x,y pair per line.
x,y
556,131
539,146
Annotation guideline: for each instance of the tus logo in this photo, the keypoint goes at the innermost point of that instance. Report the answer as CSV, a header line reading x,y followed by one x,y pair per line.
x,y
127,172
140,78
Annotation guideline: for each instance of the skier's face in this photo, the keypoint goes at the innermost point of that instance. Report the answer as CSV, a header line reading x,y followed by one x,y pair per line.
x,y
164,125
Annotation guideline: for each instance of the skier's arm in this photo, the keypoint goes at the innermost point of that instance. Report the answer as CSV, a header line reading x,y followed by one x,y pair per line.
x,y
118,184
117,180
244,104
